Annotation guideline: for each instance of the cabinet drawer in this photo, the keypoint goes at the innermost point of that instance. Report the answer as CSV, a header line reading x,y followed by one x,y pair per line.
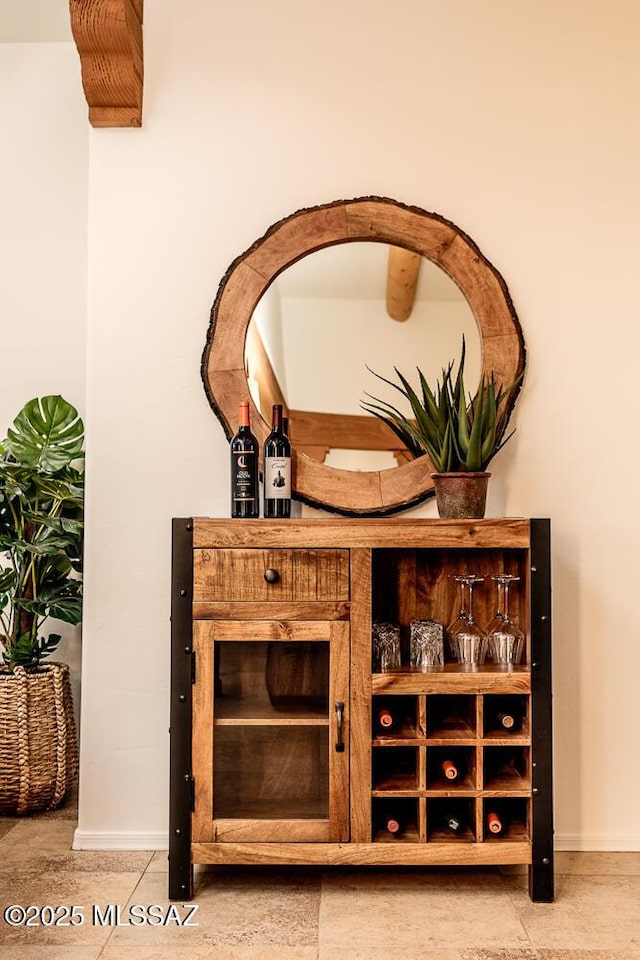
x,y
270,575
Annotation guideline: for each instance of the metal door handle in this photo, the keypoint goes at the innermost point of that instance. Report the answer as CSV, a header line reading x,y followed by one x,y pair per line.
x,y
339,708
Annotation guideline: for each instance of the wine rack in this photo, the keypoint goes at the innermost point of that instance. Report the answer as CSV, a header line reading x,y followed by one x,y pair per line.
x,y
287,747
460,733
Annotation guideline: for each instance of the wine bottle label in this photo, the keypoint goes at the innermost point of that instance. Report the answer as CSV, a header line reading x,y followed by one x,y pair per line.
x,y
277,478
244,475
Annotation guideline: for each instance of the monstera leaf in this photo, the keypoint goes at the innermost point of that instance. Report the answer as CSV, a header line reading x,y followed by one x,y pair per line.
x,y
47,434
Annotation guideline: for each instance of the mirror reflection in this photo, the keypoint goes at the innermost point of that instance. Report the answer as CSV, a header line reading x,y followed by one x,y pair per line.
x,y
329,316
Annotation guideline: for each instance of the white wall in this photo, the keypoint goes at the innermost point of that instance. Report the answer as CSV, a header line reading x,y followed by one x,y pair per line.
x,y
43,239
516,121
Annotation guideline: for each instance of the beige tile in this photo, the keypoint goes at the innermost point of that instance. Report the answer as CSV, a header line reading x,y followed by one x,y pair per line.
x,y
403,914
589,913
598,864
66,889
6,824
41,845
499,954
589,954
50,952
238,912
159,862
190,951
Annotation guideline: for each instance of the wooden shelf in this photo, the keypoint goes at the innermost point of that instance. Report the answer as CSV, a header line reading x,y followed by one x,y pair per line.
x,y
505,740
452,678
442,835
507,786
516,831
402,735
236,712
410,835
244,808
396,784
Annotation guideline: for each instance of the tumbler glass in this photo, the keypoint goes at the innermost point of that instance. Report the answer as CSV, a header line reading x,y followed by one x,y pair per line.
x,y
386,646
426,644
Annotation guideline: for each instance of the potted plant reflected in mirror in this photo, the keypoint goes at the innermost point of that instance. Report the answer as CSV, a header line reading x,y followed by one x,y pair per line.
x,y
41,529
460,433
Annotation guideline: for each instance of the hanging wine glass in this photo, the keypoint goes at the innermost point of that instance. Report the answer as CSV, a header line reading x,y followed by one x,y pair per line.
x,y
461,617
468,642
506,642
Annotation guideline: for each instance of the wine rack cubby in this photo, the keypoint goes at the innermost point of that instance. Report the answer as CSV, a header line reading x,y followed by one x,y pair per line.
x,y
460,759
402,813
288,747
441,816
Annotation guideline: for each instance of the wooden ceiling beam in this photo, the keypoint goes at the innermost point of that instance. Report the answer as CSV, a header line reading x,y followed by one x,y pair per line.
x,y
108,35
402,280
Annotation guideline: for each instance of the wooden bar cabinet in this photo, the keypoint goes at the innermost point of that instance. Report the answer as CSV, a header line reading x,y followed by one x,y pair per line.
x,y
276,757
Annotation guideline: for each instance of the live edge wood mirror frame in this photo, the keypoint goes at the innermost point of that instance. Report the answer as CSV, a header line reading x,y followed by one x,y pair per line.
x,y
373,493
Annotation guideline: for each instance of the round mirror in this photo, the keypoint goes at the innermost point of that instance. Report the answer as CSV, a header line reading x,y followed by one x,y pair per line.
x,y
340,306
333,290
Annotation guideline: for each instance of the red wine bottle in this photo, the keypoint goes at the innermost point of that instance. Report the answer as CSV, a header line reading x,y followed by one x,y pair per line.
x,y
277,469
386,719
450,770
244,469
495,823
393,824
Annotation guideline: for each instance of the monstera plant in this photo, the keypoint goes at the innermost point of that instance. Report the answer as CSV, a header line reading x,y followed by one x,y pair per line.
x,y
41,526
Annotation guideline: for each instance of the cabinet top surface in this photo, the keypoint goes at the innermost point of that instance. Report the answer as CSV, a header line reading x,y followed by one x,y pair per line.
x,y
500,533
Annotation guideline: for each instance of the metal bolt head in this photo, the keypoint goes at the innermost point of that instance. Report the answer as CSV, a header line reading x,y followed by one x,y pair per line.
x,y
546,860
178,832
183,592
182,698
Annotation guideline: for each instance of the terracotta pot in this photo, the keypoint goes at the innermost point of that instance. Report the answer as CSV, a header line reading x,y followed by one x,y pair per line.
x,y
461,495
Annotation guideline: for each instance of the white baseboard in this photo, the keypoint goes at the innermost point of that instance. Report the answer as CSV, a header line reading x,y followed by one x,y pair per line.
x,y
107,840
597,843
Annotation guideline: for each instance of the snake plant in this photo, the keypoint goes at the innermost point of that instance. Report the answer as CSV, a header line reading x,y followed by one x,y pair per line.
x,y
41,527
457,431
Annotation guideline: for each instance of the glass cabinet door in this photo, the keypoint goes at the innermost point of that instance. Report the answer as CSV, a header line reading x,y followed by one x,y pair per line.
x,y
272,698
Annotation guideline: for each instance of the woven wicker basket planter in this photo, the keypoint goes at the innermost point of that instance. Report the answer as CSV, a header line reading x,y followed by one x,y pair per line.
x,y
38,747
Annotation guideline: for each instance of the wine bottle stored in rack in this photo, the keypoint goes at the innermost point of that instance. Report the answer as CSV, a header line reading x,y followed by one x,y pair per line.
x,y
509,720
386,720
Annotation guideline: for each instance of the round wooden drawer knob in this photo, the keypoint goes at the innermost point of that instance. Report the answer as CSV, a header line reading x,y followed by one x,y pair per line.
x,y
271,575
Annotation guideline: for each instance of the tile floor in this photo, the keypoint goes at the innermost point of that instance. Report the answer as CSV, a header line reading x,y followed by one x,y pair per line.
x,y
312,914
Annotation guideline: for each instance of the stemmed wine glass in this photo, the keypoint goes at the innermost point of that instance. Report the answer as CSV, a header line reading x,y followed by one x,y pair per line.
x,y
506,641
468,642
